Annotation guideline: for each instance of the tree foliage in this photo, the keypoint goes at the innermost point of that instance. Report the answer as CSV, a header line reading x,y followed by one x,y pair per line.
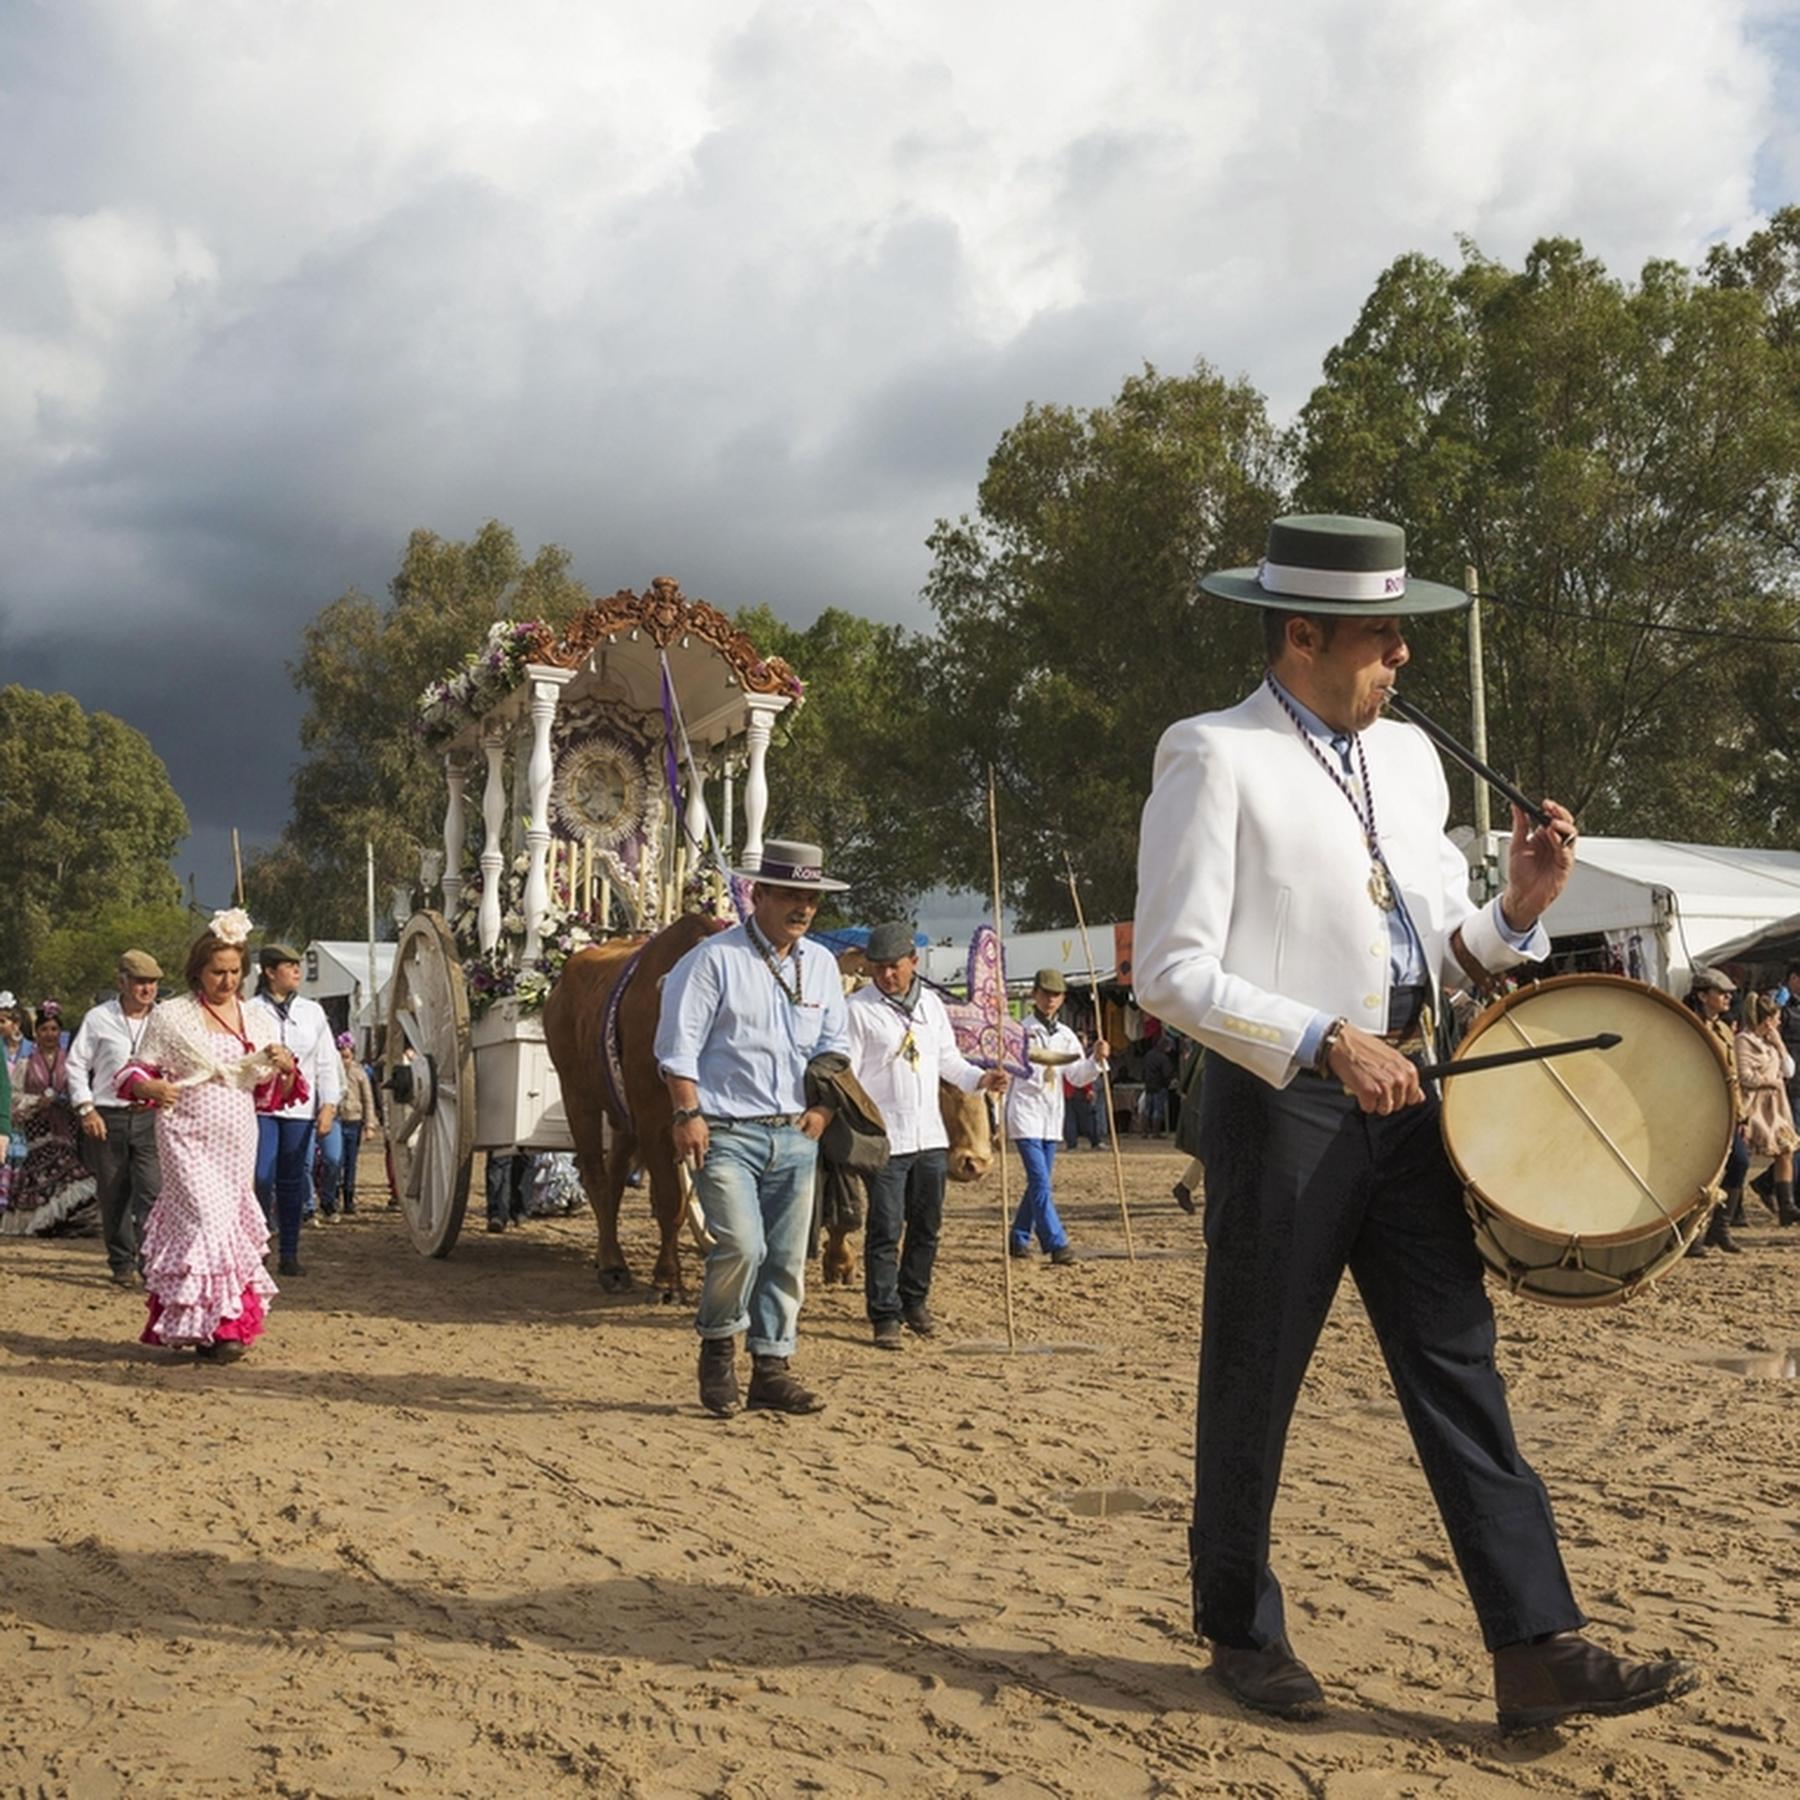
x,y
78,961
844,768
366,776
89,820
1614,461
1070,633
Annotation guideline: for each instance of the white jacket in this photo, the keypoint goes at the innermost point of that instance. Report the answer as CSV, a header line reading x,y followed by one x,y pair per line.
x,y
1034,1103
307,1032
1253,910
907,1093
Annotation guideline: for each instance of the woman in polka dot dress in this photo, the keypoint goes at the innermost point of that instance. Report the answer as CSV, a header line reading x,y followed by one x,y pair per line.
x,y
210,1065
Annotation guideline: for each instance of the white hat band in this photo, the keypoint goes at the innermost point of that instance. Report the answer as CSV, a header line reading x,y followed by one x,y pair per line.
x,y
1331,584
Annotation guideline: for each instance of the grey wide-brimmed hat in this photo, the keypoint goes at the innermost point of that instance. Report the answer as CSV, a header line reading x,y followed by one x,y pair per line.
x,y
786,862
889,943
1329,563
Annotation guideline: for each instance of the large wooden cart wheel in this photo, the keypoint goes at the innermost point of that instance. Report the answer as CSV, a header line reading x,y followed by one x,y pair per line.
x,y
431,1113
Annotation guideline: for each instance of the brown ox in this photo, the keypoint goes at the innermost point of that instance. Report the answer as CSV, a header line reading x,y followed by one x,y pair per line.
x,y
574,1017
970,1157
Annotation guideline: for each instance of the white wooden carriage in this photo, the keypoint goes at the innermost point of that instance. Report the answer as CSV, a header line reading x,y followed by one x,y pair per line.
x,y
602,755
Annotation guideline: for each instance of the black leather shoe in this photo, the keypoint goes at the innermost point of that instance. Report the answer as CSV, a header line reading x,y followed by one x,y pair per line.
x,y
773,1389
888,1335
718,1376
1270,1680
918,1318
1566,1677
289,1265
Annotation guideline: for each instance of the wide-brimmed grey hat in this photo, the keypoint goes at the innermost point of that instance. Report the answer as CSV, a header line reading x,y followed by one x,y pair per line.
x,y
786,862
1330,563
890,943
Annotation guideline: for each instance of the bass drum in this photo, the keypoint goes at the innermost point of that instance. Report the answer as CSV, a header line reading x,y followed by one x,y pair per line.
x,y
1587,1176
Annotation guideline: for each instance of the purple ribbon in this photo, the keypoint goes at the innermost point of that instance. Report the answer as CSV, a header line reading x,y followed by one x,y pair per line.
x,y
671,768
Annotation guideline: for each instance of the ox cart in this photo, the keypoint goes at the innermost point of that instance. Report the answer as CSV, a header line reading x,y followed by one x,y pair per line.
x,y
595,748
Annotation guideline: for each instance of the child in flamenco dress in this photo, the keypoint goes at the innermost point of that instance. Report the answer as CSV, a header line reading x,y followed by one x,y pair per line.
x,y
209,1064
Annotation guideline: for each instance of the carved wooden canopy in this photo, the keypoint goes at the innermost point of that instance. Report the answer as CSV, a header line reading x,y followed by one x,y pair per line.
x,y
665,616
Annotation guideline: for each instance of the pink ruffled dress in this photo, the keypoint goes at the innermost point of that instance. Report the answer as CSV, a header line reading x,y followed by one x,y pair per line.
x,y
206,1237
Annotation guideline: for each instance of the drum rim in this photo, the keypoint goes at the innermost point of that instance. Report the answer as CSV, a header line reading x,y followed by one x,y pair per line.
x,y
1652,1272
1491,1014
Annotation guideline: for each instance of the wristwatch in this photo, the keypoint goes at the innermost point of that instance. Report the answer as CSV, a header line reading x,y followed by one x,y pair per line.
x,y
82,1111
682,1114
1328,1043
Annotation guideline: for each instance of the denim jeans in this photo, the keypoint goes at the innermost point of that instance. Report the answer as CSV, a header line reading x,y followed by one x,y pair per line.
x,y
508,1182
328,1163
756,1192
908,1194
1036,1215
1156,1111
352,1130
283,1175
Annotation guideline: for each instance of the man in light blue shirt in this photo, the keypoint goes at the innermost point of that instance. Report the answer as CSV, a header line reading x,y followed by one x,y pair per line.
x,y
742,1015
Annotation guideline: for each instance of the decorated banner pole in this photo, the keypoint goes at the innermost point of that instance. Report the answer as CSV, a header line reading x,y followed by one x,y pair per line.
x,y
1000,1061
1112,1124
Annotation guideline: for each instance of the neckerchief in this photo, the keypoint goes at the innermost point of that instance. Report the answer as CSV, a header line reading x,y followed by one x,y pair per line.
x,y
904,1005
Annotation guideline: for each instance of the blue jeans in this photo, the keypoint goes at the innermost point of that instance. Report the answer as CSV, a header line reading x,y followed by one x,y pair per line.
x,y
337,1164
1037,1210
907,1194
508,1183
756,1192
283,1175
1156,1111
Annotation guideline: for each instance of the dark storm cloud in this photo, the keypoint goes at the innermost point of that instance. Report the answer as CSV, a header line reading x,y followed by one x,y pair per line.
x,y
745,296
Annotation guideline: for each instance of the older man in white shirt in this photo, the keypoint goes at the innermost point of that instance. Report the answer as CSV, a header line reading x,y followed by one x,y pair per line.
x,y
118,1136
901,1046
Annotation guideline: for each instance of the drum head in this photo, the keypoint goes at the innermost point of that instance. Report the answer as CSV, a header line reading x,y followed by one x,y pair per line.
x,y
1601,1145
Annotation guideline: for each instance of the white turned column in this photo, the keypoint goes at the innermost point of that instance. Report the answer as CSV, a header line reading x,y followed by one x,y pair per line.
x,y
726,821
455,831
493,850
521,778
763,708
693,819
546,689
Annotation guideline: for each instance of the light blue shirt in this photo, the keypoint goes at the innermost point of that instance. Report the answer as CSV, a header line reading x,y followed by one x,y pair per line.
x,y
727,1025
1406,956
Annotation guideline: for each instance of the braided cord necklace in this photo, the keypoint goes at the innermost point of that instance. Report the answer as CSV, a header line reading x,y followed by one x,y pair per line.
x,y
1381,883
774,962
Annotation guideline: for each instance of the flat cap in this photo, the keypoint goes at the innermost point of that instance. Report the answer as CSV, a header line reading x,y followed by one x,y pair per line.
x,y
271,955
140,965
1715,979
1050,981
889,943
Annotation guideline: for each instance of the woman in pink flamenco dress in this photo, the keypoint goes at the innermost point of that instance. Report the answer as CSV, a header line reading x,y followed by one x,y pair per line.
x,y
210,1065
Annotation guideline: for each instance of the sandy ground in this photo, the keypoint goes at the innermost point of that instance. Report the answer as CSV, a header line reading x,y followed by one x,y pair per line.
x,y
459,1528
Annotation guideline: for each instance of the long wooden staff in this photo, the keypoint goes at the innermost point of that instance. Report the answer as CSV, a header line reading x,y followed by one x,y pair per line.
x,y
1112,1124
1000,1061
237,862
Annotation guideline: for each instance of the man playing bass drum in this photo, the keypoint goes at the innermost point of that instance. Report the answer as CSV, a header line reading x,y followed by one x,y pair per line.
x,y
1298,907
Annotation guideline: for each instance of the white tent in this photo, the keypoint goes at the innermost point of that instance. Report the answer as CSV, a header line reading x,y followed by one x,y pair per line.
x,y
1667,908
334,967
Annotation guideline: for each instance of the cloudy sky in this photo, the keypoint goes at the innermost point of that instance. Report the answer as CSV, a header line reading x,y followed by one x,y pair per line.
x,y
741,293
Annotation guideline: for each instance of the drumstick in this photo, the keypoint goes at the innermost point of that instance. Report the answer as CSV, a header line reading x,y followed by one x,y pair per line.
x,y
1504,1059
1469,759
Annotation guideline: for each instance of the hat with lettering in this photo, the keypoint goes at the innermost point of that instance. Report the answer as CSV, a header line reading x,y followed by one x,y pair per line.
x,y
139,965
786,862
1328,563
889,943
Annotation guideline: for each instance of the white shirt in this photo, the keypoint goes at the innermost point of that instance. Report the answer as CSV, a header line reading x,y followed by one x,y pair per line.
x,y
1034,1103
307,1032
104,1043
906,1090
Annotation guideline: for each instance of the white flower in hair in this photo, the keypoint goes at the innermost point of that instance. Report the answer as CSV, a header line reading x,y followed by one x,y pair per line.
x,y
6,997
232,926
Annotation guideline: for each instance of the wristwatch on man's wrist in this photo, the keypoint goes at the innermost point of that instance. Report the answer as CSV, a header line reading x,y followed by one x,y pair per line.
x,y
82,1111
1329,1042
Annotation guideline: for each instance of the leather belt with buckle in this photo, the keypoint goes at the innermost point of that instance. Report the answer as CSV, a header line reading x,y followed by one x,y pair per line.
x,y
769,1119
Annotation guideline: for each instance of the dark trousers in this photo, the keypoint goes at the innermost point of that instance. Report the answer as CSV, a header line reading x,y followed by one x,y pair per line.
x,y
508,1184
906,1197
284,1150
1299,1186
127,1178
352,1130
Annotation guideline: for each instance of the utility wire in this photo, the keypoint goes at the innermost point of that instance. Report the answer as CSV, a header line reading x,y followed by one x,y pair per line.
x,y
1689,631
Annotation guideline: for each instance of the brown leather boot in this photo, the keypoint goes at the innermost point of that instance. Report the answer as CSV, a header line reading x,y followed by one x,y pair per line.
x,y
1566,1677
773,1389
1786,1212
1271,1679
718,1376
1718,1230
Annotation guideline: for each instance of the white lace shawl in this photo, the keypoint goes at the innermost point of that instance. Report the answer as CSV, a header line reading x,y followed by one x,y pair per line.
x,y
180,1042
